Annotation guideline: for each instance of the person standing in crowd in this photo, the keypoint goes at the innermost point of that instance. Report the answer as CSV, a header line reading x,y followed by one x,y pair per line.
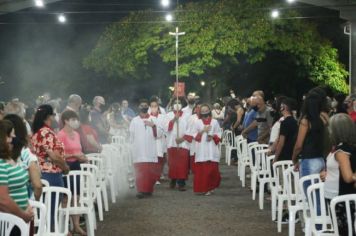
x,y
217,113
340,175
350,102
264,120
22,155
73,154
98,121
162,111
178,147
308,153
18,108
13,179
287,132
74,103
191,125
2,112
188,110
143,133
89,138
249,124
117,123
240,115
207,134
127,113
161,142
49,150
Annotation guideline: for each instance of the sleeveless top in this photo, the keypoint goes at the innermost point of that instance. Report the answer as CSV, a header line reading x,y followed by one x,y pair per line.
x,y
313,144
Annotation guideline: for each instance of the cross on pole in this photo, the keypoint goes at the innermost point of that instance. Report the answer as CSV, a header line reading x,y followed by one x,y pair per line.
x,y
177,34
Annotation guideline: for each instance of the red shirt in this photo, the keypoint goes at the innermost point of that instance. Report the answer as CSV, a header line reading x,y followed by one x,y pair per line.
x,y
353,116
86,146
46,140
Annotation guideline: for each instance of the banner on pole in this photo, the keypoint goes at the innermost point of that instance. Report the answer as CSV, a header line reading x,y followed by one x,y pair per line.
x,y
179,89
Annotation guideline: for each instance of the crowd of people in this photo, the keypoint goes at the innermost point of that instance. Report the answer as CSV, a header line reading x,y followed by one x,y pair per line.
x,y
50,140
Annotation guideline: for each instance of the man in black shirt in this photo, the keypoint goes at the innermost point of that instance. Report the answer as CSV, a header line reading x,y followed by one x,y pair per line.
x,y
288,132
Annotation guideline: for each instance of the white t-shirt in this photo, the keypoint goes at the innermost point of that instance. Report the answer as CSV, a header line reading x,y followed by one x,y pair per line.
x,y
275,130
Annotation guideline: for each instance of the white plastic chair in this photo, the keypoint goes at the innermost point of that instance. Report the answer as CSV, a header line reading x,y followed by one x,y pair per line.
x,y
316,191
309,179
255,168
109,154
9,221
230,145
85,204
295,204
61,216
347,200
278,192
244,161
98,199
238,142
40,212
98,160
264,176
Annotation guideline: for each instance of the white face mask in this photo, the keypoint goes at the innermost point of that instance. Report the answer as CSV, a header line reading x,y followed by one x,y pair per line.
x,y
177,107
74,124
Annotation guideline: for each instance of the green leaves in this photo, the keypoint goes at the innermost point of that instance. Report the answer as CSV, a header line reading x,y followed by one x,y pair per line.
x,y
216,32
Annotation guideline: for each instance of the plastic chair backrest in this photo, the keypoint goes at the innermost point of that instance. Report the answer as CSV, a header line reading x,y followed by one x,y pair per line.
x,y
56,193
86,183
346,200
316,199
9,221
40,212
255,148
279,168
291,184
261,162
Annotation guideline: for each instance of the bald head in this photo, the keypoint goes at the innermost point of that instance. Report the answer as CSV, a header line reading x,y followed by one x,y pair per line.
x,y
98,100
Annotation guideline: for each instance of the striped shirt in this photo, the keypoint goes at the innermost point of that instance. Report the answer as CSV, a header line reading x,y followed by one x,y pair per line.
x,y
15,178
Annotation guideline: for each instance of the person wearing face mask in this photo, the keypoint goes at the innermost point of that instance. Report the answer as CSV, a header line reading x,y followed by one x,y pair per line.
x,y
143,133
207,134
191,124
13,179
72,153
161,142
178,147
98,122
249,127
188,110
49,150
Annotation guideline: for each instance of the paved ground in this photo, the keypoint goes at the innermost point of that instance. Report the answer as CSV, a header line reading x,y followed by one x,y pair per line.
x,y
229,211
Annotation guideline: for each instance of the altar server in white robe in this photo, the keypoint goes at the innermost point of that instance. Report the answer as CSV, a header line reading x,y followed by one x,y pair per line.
x,y
143,133
178,147
207,135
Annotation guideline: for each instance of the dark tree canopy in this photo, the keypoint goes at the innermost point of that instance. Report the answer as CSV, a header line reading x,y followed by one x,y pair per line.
x,y
217,34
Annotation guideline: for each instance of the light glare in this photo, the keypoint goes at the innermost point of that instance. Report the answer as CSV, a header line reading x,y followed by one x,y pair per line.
x,y
169,17
165,3
290,1
39,3
275,14
62,18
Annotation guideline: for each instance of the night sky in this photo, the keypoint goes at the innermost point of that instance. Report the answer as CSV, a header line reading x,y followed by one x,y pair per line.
x,y
37,54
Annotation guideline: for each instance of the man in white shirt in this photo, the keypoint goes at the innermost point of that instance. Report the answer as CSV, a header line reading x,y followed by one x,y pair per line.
x,y
188,110
143,133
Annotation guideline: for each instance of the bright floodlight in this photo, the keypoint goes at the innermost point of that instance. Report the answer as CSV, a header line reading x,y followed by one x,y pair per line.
x,y
169,17
165,3
62,18
202,83
39,3
275,14
290,1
